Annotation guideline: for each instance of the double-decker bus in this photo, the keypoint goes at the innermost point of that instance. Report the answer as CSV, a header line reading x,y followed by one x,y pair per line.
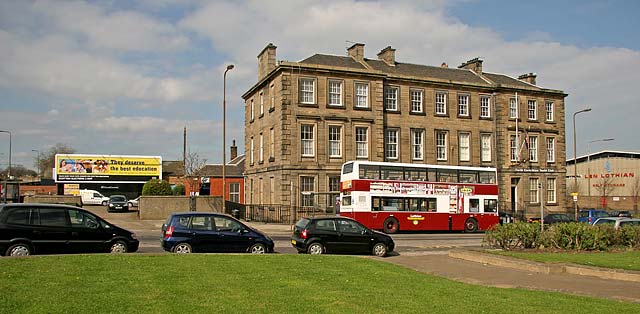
x,y
397,196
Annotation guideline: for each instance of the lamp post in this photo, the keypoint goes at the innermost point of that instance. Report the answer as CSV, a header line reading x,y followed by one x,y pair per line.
x,y
224,137
589,163
4,190
37,161
575,164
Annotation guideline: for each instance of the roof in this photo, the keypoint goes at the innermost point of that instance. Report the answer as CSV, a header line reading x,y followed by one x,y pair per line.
x,y
173,168
234,168
605,154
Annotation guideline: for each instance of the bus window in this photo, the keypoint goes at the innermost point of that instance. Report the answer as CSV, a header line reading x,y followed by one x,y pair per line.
x,y
347,168
487,177
447,175
468,177
431,175
432,205
391,173
369,172
415,174
346,200
490,206
375,204
392,204
474,205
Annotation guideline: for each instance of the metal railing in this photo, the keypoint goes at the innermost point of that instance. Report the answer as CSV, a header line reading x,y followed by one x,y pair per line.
x,y
279,214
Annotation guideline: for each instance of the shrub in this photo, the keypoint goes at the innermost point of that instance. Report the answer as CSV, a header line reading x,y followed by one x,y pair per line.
x,y
179,190
513,236
157,187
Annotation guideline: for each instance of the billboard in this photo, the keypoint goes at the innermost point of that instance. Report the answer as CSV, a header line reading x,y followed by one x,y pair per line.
x,y
78,168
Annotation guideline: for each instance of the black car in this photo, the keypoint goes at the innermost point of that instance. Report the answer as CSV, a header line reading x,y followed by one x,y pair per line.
x,y
212,232
557,218
27,229
335,234
117,203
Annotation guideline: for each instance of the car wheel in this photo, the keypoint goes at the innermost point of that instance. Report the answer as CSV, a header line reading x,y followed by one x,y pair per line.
x,y
380,250
471,225
391,225
315,248
19,249
258,248
118,247
182,248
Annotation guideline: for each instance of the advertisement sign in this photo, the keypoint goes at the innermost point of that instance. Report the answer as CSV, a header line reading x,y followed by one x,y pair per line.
x,y
77,168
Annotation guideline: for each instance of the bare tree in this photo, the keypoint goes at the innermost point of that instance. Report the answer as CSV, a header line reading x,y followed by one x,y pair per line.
x,y
193,166
606,186
635,193
47,159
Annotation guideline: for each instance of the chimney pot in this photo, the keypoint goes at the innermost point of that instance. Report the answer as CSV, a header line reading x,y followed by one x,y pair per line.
x,y
474,65
234,150
356,52
529,78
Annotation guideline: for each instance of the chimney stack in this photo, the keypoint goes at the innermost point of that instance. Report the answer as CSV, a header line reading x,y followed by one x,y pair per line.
x,y
356,52
444,65
388,56
529,78
474,65
234,150
266,60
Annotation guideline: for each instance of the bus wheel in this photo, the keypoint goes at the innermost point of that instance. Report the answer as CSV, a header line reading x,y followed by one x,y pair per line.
x,y
391,225
471,225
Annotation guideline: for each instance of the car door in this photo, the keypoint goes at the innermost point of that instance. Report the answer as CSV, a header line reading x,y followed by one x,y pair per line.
x,y
86,233
204,237
232,237
53,233
326,230
354,237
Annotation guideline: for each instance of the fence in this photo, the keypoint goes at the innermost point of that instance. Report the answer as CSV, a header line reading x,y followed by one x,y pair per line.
x,y
280,214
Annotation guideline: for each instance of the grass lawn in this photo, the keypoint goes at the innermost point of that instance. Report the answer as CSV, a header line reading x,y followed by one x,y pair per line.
x,y
258,284
629,260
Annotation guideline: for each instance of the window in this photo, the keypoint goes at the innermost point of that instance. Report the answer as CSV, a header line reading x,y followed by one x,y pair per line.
x,y
307,184
551,149
417,144
251,110
533,190
551,190
532,112
326,225
416,100
485,147
362,143
272,143
335,141
513,148
234,192
391,144
334,186
485,107
463,105
362,95
272,190
201,223
349,226
82,220
306,138
441,103
251,152
307,91
513,108
335,93
261,104
224,224
463,146
272,94
261,149
490,206
533,148
54,217
22,216
549,107
391,98
441,145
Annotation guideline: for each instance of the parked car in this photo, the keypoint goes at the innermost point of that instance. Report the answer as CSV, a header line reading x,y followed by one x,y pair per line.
x,y
557,218
93,197
591,215
134,202
621,213
335,234
618,221
117,203
212,232
27,229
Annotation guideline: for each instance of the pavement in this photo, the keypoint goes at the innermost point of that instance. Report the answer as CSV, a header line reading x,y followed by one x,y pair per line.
x,y
473,266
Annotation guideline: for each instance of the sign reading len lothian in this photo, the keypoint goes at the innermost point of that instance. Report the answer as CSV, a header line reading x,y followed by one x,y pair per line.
x,y
77,168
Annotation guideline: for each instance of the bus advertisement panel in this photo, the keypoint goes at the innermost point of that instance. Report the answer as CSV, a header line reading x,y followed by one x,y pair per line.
x,y
411,197
77,168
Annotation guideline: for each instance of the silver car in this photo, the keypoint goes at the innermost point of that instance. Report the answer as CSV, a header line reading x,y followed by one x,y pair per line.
x,y
618,221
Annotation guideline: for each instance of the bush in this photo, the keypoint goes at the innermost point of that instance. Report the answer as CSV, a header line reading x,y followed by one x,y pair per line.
x,y
179,190
157,187
565,236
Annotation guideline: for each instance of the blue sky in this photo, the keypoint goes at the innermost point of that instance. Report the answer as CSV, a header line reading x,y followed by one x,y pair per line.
x,y
125,77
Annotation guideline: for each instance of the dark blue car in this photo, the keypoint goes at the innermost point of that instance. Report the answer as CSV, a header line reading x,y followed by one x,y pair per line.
x,y
212,232
591,215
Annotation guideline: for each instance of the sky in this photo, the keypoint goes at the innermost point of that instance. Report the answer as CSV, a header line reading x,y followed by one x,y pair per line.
x,y
121,77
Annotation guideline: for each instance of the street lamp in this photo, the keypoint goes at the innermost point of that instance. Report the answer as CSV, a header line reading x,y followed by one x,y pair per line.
x,y
37,160
224,137
4,190
589,163
575,164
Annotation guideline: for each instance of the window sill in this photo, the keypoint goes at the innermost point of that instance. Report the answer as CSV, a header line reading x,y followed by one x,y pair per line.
x,y
392,111
336,107
272,109
272,159
362,108
441,115
417,113
308,105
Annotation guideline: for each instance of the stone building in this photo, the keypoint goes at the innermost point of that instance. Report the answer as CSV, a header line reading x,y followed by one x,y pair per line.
x,y
304,119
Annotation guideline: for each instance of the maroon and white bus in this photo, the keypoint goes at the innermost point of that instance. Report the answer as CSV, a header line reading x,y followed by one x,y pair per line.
x,y
397,196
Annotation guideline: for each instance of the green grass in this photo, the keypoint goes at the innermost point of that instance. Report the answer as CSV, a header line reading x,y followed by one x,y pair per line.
x,y
258,284
629,260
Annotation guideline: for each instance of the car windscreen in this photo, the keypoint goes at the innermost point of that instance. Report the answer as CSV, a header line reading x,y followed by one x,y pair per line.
x,y
118,199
